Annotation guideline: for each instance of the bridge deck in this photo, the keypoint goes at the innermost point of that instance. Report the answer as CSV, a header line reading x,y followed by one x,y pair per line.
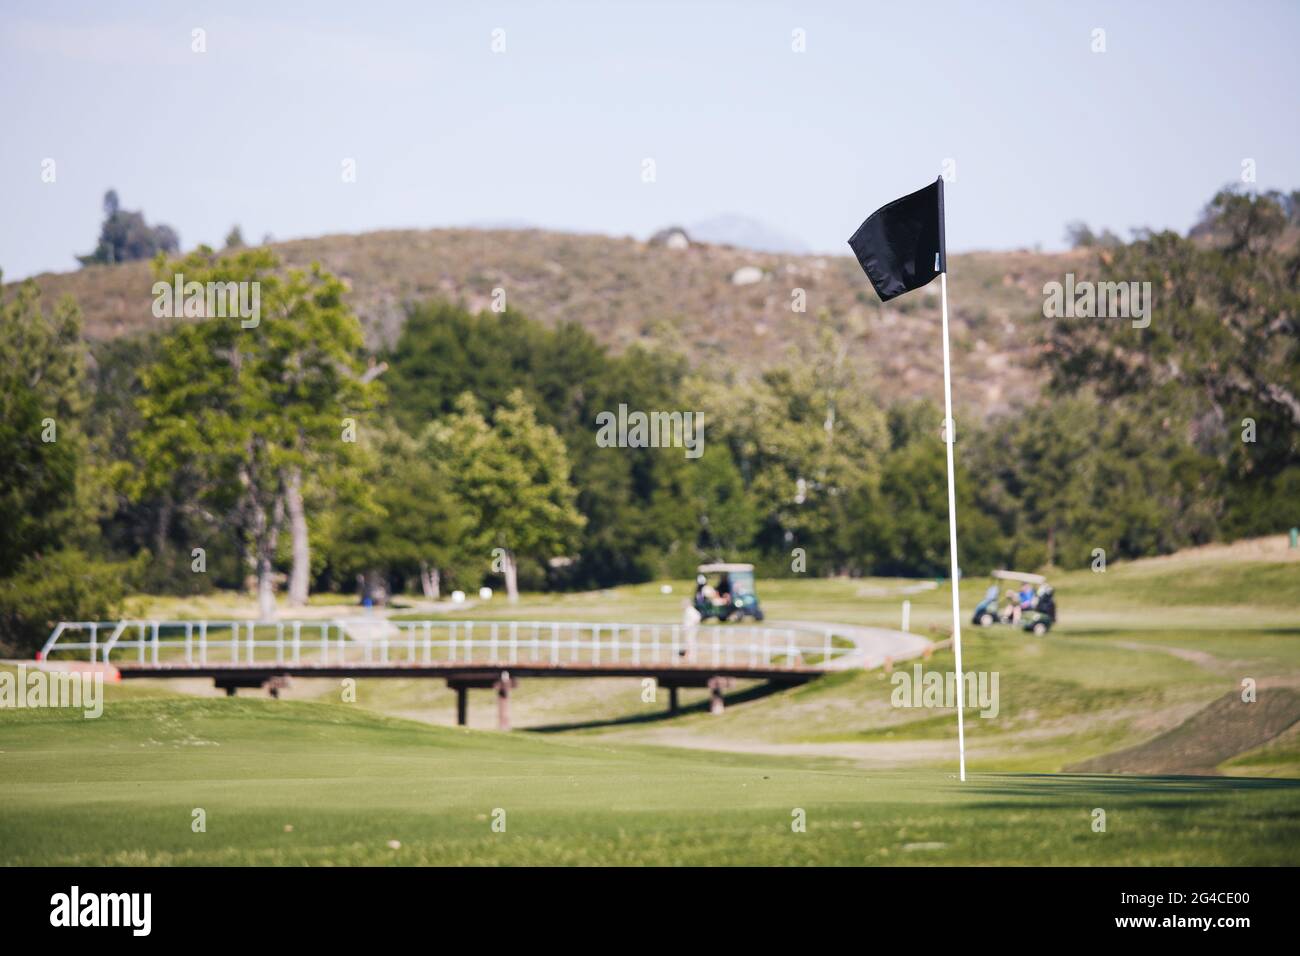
x,y
664,672
467,654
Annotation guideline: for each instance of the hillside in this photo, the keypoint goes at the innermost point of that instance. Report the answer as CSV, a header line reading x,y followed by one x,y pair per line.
x,y
626,291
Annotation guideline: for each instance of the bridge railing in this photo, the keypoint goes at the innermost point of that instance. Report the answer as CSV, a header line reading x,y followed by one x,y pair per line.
x,y
378,641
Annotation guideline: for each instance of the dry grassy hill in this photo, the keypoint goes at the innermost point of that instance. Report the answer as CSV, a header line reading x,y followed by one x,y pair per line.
x,y
627,291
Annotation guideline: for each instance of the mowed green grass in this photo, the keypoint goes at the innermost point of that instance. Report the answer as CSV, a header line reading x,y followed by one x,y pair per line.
x,y
1138,650
285,782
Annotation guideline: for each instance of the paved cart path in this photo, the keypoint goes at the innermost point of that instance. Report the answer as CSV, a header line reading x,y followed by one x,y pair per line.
x,y
873,644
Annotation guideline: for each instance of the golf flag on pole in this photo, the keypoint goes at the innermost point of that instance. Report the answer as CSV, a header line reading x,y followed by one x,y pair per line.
x,y
901,247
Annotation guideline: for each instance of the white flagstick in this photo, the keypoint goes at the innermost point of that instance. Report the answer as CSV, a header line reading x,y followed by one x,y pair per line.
x,y
950,436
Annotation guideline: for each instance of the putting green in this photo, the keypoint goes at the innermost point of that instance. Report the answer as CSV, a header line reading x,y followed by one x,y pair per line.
x,y
285,782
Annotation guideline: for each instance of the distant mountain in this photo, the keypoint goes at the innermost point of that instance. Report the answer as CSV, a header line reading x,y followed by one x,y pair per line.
x,y
731,229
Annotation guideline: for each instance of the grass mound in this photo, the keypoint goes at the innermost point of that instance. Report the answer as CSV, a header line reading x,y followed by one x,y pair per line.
x,y
1226,729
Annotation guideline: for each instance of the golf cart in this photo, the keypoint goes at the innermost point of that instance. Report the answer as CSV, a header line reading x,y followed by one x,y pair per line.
x,y
733,598
1033,608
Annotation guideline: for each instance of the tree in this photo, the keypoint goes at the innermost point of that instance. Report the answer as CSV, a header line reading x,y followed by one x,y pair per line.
x,y
49,492
1080,236
898,523
725,517
1072,474
804,437
1222,349
638,525
170,520
235,238
256,410
42,369
125,236
409,524
63,585
513,477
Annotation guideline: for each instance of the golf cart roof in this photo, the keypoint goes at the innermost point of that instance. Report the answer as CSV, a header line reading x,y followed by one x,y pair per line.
x,y
712,568
1020,576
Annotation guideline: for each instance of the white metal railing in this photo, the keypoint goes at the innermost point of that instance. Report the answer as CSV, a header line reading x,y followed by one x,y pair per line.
x,y
377,641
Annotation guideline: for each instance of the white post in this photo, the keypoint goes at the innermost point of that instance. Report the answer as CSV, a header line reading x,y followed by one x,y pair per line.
x,y
950,437
907,616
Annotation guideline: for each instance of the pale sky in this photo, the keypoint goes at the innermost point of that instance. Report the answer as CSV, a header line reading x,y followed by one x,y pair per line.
x,y
554,130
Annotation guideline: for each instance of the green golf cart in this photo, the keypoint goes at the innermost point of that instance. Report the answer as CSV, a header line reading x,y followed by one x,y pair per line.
x,y
1036,613
731,598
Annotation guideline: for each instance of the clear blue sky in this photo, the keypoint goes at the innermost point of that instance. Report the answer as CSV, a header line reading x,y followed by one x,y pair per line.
x,y
553,131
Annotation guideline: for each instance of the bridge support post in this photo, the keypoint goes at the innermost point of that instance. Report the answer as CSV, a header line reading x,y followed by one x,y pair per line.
x,y
716,686
462,706
503,687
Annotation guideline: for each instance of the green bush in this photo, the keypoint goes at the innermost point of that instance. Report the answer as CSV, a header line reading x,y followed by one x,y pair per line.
x,y
63,585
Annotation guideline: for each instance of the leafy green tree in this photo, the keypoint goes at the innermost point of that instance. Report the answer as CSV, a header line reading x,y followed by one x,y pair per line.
x,y
512,475
175,519
638,523
411,522
1221,355
804,437
1072,474
42,369
726,518
125,236
898,523
63,585
49,491
254,409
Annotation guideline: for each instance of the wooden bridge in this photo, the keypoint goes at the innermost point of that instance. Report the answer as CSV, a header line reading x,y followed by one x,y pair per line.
x,y
467,654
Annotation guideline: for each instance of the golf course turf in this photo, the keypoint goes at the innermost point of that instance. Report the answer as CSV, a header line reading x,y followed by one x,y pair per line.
x,y
1145,657
282,782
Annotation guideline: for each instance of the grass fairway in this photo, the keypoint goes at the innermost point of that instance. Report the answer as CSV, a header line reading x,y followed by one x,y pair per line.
x,y
608,777
121,790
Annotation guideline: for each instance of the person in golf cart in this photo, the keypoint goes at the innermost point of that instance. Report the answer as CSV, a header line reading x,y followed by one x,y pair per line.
x,y
1032,607
706,593
734,596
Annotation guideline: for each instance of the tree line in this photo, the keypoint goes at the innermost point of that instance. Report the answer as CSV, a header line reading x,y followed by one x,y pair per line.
x,y
287,457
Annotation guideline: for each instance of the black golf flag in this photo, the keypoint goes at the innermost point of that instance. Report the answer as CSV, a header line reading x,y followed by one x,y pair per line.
x,y
901,247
